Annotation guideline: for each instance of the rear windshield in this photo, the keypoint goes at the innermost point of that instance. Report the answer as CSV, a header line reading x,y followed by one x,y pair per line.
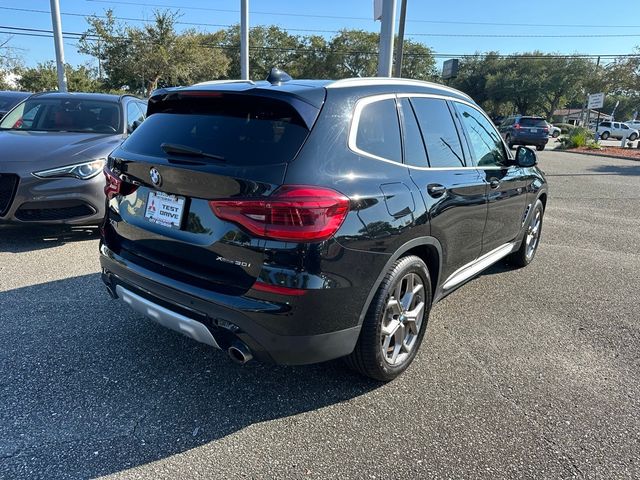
x,y
243,130
533,122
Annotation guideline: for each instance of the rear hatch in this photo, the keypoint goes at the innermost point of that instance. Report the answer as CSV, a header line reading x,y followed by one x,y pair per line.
x,y
195,147
534,126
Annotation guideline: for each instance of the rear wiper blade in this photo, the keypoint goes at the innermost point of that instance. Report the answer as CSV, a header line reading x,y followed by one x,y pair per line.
x,y
185,150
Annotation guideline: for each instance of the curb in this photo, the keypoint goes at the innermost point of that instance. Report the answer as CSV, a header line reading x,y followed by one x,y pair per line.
x,y
580,152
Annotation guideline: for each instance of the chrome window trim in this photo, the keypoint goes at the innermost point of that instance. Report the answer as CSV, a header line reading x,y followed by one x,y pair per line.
x,y
363,102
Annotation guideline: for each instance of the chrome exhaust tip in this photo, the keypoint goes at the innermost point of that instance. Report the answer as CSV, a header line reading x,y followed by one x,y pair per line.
x,y
239,353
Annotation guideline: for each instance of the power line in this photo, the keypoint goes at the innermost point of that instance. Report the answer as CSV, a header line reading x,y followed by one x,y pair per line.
x,y
341,17
146,20
466,35
36,32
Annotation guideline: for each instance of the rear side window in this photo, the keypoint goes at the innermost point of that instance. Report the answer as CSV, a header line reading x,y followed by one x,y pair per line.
x,y
605,124
533,122
438,132
243,129
379,131
414,152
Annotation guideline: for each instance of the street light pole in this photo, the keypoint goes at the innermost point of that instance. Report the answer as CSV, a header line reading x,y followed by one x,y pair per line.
x,y
400,46
387,28
244,39
57,38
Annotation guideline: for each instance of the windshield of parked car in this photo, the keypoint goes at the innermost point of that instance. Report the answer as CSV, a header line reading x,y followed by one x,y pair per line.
x,y
64,115
533,122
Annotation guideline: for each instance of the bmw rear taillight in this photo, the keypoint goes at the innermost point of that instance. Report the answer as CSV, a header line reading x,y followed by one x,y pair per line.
x,y
115,185
516,126
295,213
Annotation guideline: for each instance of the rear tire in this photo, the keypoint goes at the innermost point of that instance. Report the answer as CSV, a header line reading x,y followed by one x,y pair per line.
x,y
540,147
632,137
529,246
395,323
605,135
555,134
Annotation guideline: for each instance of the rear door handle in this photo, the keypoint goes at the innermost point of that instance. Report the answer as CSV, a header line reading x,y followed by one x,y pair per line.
x,y
495,183
436,190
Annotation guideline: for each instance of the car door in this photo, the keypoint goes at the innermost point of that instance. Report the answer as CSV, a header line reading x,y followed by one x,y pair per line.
x,y
506,183
453,192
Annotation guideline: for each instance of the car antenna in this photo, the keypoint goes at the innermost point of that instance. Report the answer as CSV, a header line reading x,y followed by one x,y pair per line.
x,y
277,76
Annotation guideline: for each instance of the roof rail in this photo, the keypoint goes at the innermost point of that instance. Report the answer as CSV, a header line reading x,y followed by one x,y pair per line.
x,y
364,81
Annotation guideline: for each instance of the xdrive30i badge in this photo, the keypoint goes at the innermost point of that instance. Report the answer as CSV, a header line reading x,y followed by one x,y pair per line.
x,y
156,178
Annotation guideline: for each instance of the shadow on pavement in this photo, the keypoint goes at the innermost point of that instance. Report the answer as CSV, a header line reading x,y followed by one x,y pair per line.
x,y
624,170
91,388
19,238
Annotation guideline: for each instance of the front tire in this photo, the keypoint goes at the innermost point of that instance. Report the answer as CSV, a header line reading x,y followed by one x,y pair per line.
x,y
395,323
540,147
529,246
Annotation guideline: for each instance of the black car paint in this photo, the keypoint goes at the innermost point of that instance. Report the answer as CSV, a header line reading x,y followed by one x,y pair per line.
x,y
392,213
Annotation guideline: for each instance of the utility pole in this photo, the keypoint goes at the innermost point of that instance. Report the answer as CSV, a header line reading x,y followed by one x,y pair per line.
x,y
400,46
244,39
387,28
57,38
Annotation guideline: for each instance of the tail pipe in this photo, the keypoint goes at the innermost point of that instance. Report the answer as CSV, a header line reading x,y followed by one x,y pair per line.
x,y
239,353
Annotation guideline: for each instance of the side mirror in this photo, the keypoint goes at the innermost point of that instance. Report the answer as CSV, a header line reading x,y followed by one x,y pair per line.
x,y
525,157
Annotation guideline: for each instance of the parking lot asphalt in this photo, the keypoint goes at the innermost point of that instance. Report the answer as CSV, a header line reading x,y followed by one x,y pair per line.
x,y
523,373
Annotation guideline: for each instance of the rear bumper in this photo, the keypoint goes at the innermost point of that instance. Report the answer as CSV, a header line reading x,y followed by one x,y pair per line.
x,y
227,318
529,139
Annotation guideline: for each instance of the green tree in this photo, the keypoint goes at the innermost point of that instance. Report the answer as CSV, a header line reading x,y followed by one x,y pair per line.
x,y
563,81
141,59
44,77
268,47
353,53
418,61
473,74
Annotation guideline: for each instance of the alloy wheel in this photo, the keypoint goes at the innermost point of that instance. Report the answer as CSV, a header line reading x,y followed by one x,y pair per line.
x,y
402,319
533,234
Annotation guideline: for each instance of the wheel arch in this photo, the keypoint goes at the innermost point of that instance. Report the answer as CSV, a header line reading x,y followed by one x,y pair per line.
x,y
428,249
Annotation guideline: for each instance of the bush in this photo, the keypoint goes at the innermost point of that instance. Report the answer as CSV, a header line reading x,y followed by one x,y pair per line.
x,y
577,137
564,127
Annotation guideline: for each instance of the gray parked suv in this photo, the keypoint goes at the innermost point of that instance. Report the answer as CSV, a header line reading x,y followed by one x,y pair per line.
x,y
53,147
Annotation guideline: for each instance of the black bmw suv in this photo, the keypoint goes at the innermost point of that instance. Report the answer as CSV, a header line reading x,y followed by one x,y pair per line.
x,y
301,221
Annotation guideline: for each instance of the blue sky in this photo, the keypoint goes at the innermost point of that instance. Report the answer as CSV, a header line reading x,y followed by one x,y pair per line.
x,y
426,19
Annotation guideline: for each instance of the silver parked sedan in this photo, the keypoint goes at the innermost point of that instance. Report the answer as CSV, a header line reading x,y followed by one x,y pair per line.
x,y
53,147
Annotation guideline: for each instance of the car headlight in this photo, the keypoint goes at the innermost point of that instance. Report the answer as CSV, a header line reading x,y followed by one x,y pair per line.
x,y
83,171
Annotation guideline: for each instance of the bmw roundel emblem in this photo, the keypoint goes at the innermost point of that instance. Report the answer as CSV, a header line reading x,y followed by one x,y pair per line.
x,y
156,178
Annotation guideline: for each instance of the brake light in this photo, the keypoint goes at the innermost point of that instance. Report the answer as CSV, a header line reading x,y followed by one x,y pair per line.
x,y
293,213
115,185
516,126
